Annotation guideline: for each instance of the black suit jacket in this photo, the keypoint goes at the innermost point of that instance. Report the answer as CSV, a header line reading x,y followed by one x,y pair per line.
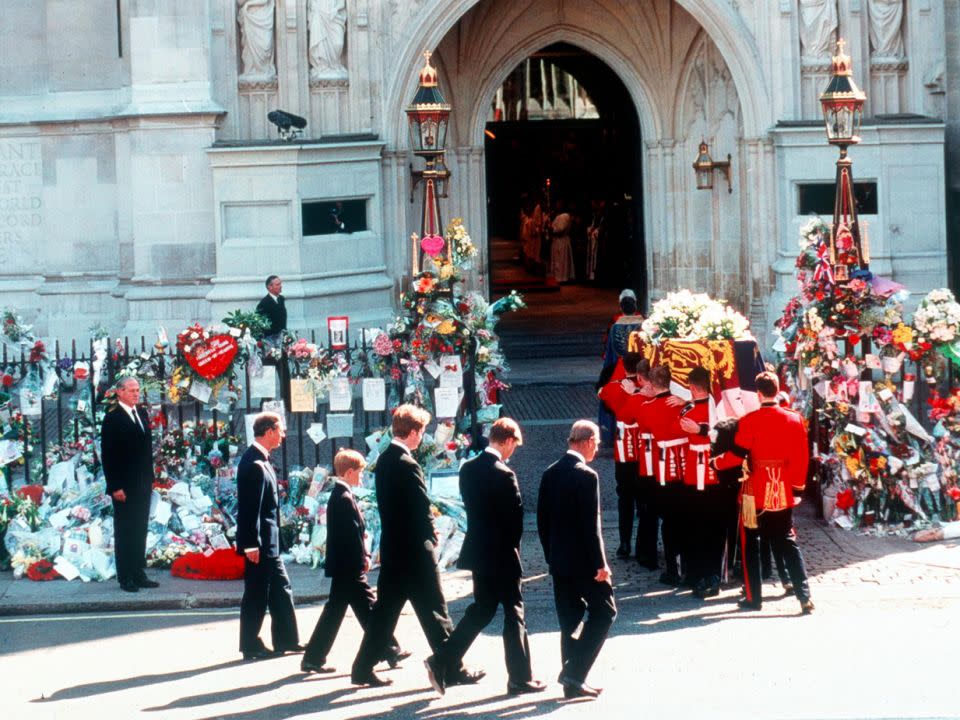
x,y
258,512
568,519
126,452
275,311
346,552
406,526
491,497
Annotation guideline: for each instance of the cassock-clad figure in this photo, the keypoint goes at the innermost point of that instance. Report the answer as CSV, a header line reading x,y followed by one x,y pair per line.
x,y
126,450
346,564
568,522
774,441
408,566
491,549
265,581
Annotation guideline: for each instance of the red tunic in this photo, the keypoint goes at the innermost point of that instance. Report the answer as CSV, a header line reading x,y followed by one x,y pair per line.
x,y
697,471
662,422
615,397
776,442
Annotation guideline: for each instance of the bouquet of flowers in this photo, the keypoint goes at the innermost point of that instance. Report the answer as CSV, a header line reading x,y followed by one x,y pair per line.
x,y
692,316
936,323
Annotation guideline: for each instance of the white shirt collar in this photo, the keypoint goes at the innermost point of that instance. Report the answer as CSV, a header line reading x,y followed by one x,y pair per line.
x,y
276,298
130,410
577,455
401,446
262,449
493,451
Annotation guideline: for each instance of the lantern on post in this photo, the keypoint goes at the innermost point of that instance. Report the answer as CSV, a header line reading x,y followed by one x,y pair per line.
x,y
429,115
842,103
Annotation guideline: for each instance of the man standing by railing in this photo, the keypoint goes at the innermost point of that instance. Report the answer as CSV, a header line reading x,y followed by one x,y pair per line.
x,y
273,307
126,450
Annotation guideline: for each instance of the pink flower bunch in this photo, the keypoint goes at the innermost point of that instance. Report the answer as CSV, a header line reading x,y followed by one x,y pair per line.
x,y
382,345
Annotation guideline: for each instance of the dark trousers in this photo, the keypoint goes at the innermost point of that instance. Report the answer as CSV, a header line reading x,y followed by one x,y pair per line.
x,y
130,535
421,586
648,520
777,527
354,593
729,500
573,598
266,585
769,558
489,592
669,502
705,532
628,499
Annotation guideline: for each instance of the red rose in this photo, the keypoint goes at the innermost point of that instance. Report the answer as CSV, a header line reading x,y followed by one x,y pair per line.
x,y
7,380
42,570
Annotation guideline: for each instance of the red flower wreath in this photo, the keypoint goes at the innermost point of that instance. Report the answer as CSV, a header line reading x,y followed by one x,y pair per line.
x,y
34,492
42,570
223,564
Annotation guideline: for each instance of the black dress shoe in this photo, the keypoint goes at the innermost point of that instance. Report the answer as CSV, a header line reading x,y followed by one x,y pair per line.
x,y
394,660
310,667
147,583
129,587
806,607
467,677
573,690
258,654
749,605
524,688
371,679
623,551
291,649
435,674
648,564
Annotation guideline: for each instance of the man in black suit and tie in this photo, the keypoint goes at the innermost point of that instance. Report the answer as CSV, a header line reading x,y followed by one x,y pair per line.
x,y
568,521
126,450
491,549
265,581
274,308
408,566
346,564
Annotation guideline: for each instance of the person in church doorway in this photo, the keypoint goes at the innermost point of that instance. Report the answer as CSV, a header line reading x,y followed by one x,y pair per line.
x,y
561,251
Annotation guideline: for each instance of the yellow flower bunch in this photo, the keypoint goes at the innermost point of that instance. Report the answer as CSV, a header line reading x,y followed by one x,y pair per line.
x,y
902,334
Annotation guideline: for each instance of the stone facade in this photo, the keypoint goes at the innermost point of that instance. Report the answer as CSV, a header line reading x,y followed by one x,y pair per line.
x,y
140,182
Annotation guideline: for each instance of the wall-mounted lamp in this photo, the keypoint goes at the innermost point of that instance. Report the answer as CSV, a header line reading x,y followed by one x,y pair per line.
x,y
704,167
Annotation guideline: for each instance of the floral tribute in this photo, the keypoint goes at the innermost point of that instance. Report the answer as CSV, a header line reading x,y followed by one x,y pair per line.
x,y
210,357
684,315
844,344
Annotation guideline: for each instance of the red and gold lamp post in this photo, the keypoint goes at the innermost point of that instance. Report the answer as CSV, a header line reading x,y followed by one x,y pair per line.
x,y
842,104
428,116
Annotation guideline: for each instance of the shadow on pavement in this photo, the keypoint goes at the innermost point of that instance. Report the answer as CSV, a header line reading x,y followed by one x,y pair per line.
x,y
109,686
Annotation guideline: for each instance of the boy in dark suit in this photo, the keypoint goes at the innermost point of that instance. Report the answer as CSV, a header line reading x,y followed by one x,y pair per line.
x,y
491,549
346,563
265,581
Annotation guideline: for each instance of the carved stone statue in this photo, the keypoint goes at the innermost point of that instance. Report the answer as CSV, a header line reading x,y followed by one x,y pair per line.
x,y
886,23
256,21
327,27
818,26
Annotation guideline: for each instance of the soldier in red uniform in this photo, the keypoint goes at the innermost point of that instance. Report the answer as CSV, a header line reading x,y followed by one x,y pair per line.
x,y
614,395
701,533
775,441
659,418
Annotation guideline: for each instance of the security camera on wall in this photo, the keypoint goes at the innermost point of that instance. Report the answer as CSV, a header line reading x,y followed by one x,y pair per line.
x,y
288,125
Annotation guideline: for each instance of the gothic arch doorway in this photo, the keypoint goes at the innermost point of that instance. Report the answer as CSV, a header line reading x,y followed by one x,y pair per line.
x,y
564,197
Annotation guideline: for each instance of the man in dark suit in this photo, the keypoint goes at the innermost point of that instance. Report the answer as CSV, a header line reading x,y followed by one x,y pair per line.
x,y
408,566
274,308
568,521
346,564
265,581
491,549
126,450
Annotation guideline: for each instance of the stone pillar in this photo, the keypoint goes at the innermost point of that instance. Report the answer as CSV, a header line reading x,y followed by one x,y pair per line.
x,y
171,201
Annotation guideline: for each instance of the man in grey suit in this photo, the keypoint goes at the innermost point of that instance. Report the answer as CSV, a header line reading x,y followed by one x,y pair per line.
x,y
568,522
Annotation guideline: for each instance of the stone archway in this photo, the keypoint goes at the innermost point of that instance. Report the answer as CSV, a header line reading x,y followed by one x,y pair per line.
x,y
650,47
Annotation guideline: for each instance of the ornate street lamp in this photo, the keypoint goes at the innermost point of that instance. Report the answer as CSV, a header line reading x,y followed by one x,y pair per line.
x,y
842,104
704,167
429,115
